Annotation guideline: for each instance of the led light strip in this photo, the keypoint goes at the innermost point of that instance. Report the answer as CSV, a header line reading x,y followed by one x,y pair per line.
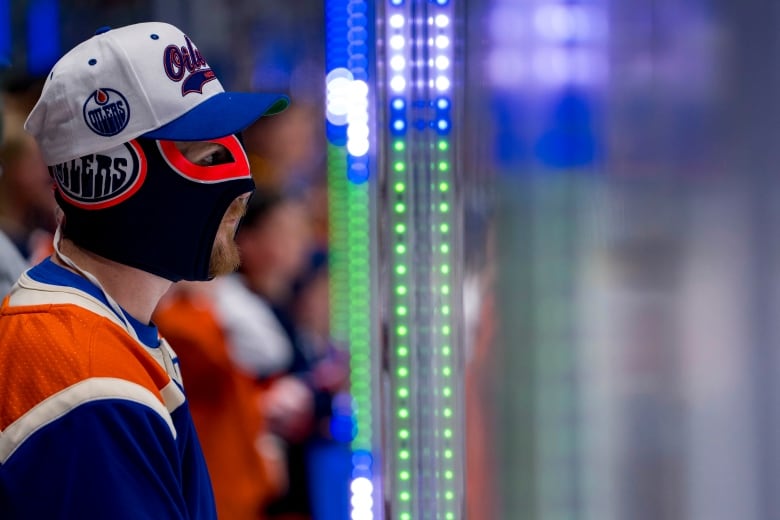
x,y
347,125
397,36
424,404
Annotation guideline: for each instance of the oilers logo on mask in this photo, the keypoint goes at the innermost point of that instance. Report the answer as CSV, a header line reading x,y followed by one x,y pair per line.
x,y
106,112
101,180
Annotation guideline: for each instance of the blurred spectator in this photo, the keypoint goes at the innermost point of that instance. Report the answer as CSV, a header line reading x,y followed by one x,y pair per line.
x,y
287,154
26,188
276,244
245,460
11,265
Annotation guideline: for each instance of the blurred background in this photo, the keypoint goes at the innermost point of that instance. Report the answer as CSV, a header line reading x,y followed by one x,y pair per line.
x,y
603,343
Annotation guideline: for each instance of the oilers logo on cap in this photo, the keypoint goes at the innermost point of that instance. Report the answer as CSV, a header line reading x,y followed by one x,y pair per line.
x,y
106,112
187,59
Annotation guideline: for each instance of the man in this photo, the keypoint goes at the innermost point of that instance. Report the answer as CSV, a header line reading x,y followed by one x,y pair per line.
x,y
139,137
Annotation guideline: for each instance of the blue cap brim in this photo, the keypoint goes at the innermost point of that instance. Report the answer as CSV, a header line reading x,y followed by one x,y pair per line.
x,y
220,115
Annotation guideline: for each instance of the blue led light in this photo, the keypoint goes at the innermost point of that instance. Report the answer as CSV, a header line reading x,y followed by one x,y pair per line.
x,y
396,2
357,169
442,2
43,36
398,104
398,127
443,104
5,32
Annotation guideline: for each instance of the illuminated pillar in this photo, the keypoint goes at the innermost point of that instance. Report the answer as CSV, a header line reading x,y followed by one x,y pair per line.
x,y
422,421
348,47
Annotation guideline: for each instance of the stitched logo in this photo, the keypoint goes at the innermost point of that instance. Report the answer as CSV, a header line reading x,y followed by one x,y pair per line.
x,y
106,112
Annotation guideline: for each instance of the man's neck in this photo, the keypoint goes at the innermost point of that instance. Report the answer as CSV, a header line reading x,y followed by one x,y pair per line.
x,y
136,291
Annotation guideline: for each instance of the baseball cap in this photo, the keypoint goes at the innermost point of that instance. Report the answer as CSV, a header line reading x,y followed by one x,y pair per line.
x,y
142,80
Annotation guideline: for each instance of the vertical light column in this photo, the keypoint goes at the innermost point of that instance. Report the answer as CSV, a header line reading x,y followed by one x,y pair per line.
x,y
423,447
347,63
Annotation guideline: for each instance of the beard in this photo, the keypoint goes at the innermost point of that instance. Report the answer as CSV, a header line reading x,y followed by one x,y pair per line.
x,y
225,257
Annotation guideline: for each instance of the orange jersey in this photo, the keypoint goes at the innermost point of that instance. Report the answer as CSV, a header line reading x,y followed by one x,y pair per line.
x,y
93,421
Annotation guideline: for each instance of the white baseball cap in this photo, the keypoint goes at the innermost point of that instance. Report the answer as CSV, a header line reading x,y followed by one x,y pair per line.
x,y
142,80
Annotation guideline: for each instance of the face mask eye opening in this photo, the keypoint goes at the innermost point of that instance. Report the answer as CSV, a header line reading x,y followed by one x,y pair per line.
x,y
205,153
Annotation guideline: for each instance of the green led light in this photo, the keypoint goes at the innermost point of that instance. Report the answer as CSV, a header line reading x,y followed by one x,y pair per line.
x,y
403,372
402,330
444,166
449,495
445,310
448,434
447,392
401,269
446,350
406,516
399,146
404,454
400,249
400,290
444,227
445,329
443,145
445,269
444,207
404,434
401,310
403,351
444,248
447,412
449,475
399,187
404,495
403,413
445,289
447,454
446,371
404,475
443,186
449,516
403,393
399,166
400,228
400,207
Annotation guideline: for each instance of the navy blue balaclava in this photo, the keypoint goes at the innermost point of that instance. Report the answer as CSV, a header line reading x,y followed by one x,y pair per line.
x,y
143,204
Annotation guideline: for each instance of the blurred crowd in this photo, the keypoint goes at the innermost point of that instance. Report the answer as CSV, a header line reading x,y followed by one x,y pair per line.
x,y
261,373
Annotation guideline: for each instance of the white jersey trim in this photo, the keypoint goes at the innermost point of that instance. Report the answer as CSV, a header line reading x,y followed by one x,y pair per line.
x,y
83,392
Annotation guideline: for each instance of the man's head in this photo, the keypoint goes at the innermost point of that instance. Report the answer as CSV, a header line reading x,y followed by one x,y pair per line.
x,y
140,138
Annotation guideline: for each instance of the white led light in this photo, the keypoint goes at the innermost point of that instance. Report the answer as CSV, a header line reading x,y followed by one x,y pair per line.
x,y
398,83
442,83
359,88
397,42
442,42
442,62
362,485
397,21
359,514
397,62
357,147
442,20
358,132
362,501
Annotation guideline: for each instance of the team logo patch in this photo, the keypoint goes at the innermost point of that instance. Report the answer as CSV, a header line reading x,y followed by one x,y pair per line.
x,y
98,181
106,112
186,64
